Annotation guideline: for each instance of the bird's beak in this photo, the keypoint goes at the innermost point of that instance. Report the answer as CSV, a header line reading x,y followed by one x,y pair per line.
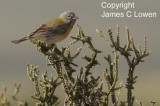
x,y
75,17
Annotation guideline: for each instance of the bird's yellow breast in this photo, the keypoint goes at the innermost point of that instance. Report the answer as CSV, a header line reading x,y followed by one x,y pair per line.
x,y
62,37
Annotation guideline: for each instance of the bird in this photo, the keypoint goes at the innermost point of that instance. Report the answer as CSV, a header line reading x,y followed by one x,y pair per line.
x,y
53,31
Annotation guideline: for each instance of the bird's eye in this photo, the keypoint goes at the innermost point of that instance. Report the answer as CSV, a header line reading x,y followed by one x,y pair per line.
x,y
69,16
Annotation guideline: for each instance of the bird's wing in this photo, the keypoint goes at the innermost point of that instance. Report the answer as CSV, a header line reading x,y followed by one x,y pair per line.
x,y
56,26
53,30
40,29
59,29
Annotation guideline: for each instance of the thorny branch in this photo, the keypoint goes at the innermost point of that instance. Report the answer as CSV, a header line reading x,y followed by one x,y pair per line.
x,y
126,52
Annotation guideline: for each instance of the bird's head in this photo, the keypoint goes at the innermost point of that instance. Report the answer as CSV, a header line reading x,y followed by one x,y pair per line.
x,y
69,17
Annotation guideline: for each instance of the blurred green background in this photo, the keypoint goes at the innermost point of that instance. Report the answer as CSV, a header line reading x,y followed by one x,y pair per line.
x,y
19,17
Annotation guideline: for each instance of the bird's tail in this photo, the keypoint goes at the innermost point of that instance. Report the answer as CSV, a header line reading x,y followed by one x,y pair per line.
x,y
19,41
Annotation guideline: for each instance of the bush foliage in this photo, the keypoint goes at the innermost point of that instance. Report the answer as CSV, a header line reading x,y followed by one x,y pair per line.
x,y
84,89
